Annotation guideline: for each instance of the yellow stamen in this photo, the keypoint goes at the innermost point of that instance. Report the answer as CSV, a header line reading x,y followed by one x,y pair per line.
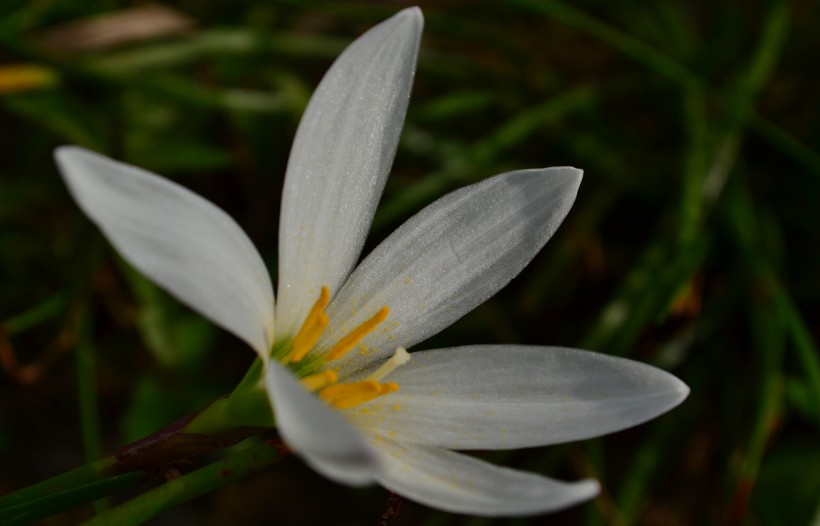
x,y
399,358
343,396
314,382
352,389
345,403
312,328
349,342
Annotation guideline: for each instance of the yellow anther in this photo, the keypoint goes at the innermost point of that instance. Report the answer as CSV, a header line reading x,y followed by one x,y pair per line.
x,y
314,382
343,396
312,328
349,342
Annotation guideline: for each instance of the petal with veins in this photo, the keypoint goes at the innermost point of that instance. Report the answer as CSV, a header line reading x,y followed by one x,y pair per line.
x,y
449,258
458,483
505,396
341,156
179,240
319,434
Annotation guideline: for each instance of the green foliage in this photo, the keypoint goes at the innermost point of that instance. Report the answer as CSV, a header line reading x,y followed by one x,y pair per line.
x,y
693,243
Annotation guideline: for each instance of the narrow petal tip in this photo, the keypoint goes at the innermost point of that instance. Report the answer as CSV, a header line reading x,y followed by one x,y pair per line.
x,y
587,489
341,156
458,483
67,155
680,389
61,152
177,239
412,15
571,175
672,391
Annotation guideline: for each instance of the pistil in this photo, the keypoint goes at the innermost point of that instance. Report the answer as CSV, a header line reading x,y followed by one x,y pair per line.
x,y
399,358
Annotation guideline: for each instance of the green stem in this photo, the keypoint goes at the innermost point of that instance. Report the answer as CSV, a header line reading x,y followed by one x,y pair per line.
x,y
246,407
219,425
104,477
175,443
176,492
57,500
86,474
87,483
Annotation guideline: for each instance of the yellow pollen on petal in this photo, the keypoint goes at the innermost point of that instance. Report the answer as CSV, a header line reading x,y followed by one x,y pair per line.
x,y
343,396
347,343
312,328
314,382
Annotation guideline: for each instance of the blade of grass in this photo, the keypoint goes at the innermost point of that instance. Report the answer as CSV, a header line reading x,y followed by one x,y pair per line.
x,y
216,42
475,158
646,295
87,393
87,397
742,214
808,353
43,311
695,168
87,483
678,72
619,40
53,500
633,493
168,86
702,184
768,343
663,270
178,491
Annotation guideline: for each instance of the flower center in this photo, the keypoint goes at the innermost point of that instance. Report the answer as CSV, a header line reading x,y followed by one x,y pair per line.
x,y
342,395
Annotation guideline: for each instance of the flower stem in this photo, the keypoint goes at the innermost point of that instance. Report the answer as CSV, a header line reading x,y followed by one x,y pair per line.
x,y
178,491
85,484
221,424
126,467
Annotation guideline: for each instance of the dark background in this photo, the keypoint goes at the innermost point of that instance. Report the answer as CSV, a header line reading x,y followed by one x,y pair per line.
x,y
692,245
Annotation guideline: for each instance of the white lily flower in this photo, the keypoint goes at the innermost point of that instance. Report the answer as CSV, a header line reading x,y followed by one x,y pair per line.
x,y
346,395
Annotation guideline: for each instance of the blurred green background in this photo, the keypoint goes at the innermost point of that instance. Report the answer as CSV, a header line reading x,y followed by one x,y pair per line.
x,y
693,243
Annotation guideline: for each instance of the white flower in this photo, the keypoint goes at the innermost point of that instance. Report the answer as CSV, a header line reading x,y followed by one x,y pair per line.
x,y
346,396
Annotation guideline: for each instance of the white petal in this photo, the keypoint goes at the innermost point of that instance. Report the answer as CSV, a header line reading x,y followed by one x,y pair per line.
x,y
454,482
341,156
504,396
449,258
177,239
319,434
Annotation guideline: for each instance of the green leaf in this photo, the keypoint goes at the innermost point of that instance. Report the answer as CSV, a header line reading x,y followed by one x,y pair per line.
x,y
788,486
175,336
